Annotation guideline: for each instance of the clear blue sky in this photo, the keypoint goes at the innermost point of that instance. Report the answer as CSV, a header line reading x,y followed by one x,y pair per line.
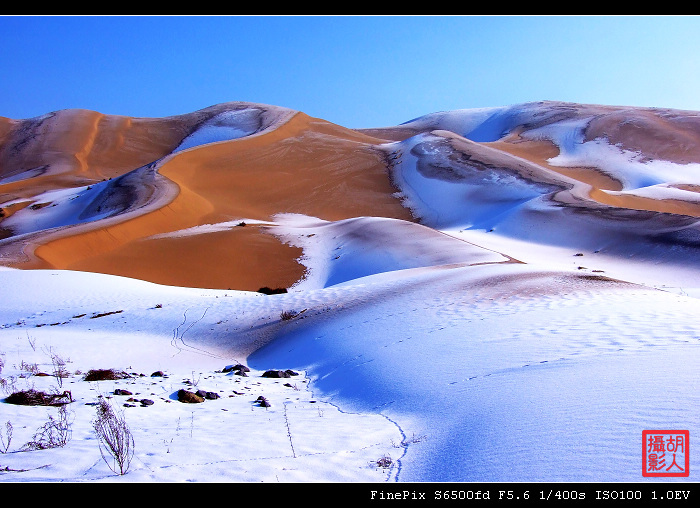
x,y
355,71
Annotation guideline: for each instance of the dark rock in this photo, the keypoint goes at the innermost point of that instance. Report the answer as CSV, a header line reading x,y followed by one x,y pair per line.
x,y
188,397
236,368
158,373
207,395
119,391
291,372
146,402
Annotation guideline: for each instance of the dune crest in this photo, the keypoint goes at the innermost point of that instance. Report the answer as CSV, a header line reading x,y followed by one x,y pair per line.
x,y
82,190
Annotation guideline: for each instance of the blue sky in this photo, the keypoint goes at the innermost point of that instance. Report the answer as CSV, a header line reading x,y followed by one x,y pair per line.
x,y
356,71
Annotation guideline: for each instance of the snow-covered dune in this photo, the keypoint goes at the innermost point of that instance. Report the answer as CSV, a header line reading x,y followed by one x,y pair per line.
x,y
493,294
342,251
451,183
506,372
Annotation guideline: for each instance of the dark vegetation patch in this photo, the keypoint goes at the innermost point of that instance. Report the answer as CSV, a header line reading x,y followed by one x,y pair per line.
x,y
37,398
268,291
288,314
102,314
105,375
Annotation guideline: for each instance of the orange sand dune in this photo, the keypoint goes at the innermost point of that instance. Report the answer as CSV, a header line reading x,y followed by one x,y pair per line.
x,y
293,163
670,135
86,143
539,151
306,166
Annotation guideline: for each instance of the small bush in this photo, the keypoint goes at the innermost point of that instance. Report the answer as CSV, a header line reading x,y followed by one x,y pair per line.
x,y
31,368
59,367
288,314
115,438
268,291
53,434
105,375
384,461
36,398
7,386
103,314
5,441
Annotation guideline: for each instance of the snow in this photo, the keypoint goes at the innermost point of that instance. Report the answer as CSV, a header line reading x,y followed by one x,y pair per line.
x,y
504,339
173,330
452,370
462,200
244,120
342,251
225,126
57,208
626,166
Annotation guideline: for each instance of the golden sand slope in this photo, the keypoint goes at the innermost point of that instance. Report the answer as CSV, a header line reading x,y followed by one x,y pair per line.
x,y
306,166
293,164
70,145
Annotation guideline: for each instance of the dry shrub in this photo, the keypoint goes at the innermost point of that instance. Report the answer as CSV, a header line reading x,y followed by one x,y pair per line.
x,y
116,441
384,461
105,375
59,367
7,439
31,368
36,398
288,314
53,434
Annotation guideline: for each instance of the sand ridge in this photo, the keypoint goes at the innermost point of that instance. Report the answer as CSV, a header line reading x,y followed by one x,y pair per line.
x,y
305,166
281,161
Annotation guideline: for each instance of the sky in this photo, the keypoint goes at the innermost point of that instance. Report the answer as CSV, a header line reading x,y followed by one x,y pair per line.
x,y
356,71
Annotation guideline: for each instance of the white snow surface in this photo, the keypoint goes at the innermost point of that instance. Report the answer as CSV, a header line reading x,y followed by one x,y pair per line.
x,y
477,370
225,126
57,208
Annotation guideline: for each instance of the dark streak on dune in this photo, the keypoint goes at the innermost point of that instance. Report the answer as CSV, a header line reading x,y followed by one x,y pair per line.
x,y
125,193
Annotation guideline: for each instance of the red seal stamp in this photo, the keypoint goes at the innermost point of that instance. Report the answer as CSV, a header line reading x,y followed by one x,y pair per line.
x,y
665,453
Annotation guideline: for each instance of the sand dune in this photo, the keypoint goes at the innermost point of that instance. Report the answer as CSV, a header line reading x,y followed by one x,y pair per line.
x,y
305,165
499,286
632,171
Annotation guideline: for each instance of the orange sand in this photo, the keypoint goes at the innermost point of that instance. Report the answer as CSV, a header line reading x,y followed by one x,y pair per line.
x,y
305,166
